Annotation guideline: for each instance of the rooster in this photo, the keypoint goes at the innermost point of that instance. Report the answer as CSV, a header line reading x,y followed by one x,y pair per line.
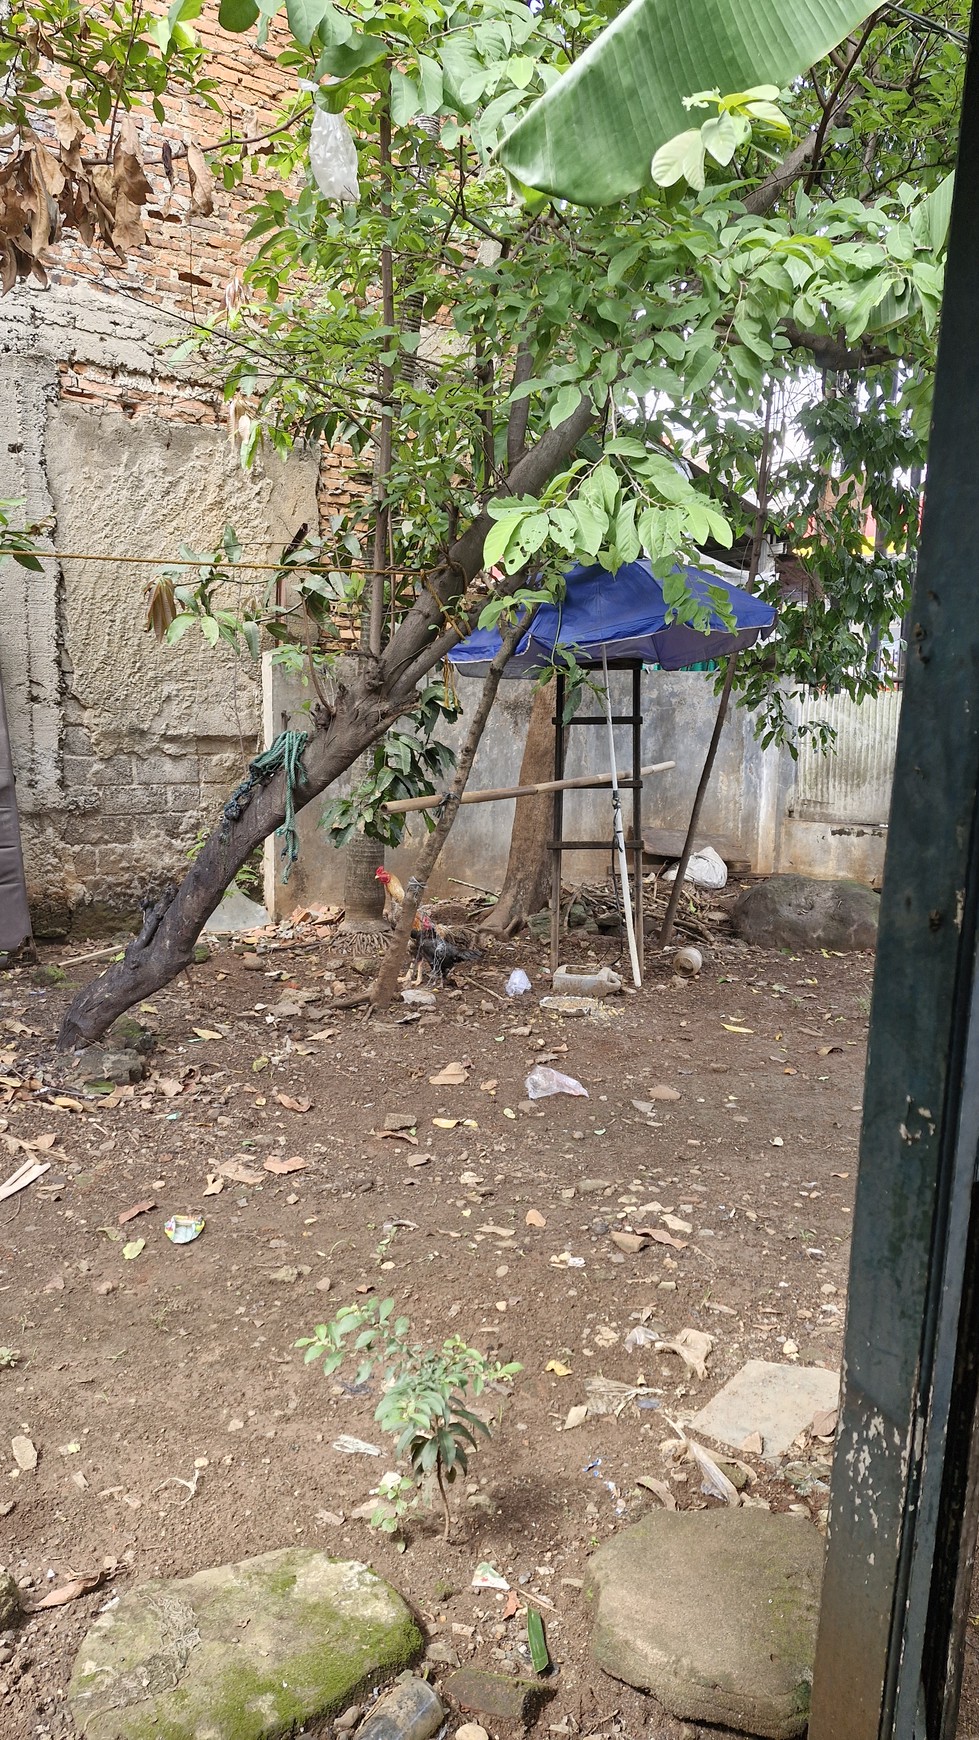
x,y
440,952
394,894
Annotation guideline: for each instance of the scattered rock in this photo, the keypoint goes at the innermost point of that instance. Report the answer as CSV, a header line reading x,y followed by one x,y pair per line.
x,y
411,1712
25,1453
48,976
10,1605
441,1651
799,912
400,1120
471,1731
250,1649
106,1063
715,1613
505,1696
592,1186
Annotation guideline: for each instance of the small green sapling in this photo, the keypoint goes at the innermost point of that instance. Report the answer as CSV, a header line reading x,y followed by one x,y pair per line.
x,y
426,1391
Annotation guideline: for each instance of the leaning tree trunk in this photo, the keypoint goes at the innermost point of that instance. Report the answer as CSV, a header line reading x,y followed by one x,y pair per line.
x,y
527,883
379,693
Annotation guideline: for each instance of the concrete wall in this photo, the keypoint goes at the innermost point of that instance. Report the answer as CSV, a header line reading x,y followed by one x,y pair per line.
x,y
752,808
122,748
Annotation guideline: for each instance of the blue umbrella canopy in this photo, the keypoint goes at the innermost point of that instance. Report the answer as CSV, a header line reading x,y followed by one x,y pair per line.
x,y
626,616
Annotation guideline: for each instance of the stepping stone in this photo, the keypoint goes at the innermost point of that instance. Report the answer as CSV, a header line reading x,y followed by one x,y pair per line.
x,y
775,1401
714,1612
505,1696
249,1651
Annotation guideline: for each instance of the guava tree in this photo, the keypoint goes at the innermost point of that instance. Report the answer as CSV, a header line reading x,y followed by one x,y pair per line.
x,y
519,383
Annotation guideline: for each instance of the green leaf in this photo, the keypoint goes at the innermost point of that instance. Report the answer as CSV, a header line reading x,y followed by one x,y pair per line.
x,y
498,539
405,99
592,137
721,137
566,402
680,159
237,15
535,1638
304,17
342,59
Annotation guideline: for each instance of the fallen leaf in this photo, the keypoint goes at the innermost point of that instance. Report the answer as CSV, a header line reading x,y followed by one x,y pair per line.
x,y
510,1607
295,1164
45,1142
239,1174
694,1347
660,1488
557,1368
661,1238
534,1218
445,1123
207,1033
488,1087
827,1050
729,1028
824,1424
132,1250
69,1591
131,1213
576,1416
396,1136
663,1092
292,1105
214,1185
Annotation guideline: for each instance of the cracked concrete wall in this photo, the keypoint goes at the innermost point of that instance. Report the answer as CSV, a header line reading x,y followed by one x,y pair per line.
x,y
123,749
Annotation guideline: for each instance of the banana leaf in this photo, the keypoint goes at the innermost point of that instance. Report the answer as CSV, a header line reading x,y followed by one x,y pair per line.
x,y
592,137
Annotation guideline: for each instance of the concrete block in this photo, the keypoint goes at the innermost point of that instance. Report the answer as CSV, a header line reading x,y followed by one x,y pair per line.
x,y
776,1401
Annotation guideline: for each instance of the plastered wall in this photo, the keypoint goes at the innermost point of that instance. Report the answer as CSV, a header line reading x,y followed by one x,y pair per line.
x,y
123,749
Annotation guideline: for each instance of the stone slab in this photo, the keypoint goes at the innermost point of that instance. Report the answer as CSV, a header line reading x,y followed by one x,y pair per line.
x,y
715,1612
236,913
505,1696
249,1651
777,1401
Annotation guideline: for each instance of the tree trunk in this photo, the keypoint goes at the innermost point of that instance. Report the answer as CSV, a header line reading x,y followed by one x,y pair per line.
x,y
363,895
527,883
397,950
379,693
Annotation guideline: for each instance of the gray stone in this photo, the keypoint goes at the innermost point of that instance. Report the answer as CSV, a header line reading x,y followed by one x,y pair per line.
x,y
715,1613
800,912
505,1696
105,1063
776,1401
10,1604
248,1651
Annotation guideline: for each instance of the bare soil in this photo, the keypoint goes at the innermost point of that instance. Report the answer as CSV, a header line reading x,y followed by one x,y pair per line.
x,y
135,1374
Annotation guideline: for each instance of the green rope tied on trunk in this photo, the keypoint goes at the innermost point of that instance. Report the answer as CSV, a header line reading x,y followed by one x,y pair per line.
x,y
286,753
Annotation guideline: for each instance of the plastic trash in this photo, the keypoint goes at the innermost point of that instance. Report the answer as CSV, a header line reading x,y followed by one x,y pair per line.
x,y
333,157
183,1229
410,1712
604,983
542,1082
706,869
486,1576
517,983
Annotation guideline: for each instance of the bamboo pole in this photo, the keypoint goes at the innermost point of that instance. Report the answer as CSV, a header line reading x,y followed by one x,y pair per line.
x,y
619,836
496,794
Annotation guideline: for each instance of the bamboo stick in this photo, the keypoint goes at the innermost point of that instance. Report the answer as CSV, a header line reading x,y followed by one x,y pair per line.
x,y
497,793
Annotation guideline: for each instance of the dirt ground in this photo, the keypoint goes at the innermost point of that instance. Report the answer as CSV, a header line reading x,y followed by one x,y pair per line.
x,y
175,1423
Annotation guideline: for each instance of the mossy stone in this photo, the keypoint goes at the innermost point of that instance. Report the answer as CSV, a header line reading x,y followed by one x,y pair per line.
x,y
248,1651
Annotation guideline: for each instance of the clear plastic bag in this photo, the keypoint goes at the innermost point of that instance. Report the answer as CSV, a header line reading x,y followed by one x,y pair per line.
x,y
517,983
542,1082
333,157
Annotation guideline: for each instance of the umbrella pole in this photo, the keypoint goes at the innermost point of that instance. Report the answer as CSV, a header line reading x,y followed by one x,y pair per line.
x,y
618,836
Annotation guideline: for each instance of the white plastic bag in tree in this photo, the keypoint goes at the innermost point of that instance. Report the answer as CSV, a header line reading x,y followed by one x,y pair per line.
x,y
333,157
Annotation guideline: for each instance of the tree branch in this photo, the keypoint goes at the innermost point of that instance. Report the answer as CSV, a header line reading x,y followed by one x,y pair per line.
x,y
830,351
